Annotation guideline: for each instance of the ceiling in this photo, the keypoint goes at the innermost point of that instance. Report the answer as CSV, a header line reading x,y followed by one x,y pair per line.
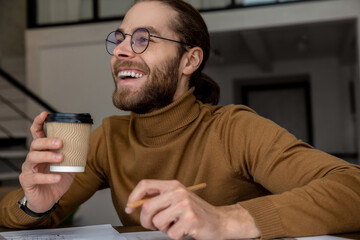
x,y
263,47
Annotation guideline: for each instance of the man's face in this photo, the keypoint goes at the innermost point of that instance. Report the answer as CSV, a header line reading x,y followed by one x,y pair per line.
x,y
156,70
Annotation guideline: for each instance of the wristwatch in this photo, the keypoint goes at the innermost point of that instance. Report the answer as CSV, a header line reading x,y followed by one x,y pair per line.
x,y
22,206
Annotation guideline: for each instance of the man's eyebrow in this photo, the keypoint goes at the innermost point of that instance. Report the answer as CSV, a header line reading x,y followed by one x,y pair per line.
x,y
151,30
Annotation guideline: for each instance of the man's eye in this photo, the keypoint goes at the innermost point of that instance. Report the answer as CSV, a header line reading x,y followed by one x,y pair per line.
x,y
143,40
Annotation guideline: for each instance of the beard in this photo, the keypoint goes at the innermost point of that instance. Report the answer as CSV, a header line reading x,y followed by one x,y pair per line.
x,y
157,92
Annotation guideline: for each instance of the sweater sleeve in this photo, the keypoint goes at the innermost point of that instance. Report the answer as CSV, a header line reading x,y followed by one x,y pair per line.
x,y
313,193
84,186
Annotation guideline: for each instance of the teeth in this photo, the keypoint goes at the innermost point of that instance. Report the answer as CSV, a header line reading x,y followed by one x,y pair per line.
x,y
129,74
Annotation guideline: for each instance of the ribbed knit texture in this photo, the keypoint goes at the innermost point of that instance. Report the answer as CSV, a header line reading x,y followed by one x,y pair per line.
x,y
266,217
159,127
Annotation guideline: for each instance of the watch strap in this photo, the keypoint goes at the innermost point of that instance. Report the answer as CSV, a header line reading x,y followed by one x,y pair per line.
x,y
22,206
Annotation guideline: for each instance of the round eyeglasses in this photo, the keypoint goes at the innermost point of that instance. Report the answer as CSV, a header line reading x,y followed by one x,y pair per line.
x,y
139,40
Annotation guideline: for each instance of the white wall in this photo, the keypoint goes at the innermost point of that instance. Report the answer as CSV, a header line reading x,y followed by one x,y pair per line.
x,y
69,67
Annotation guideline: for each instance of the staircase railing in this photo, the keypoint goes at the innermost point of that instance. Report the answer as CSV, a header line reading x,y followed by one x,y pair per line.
x,y
10,79
10,141
25,90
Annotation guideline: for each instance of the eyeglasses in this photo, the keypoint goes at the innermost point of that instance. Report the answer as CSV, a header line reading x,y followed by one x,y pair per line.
x,y
139,40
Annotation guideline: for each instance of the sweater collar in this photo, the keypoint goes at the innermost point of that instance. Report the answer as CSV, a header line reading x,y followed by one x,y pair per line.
x,y
162,125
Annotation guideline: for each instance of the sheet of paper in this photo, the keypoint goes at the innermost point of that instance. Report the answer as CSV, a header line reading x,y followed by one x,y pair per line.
x,y
325,237
104,232
151,235
154,235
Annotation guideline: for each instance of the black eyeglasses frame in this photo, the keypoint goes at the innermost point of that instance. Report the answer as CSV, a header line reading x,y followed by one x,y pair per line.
x,y
147,45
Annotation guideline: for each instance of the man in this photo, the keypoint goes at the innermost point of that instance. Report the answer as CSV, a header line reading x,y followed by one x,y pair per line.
x,y
261,181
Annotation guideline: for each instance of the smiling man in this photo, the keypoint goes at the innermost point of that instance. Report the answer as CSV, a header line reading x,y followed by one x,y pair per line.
x,y
261,181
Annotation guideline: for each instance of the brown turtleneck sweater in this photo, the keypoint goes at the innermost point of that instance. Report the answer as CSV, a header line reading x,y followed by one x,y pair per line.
x,y
290,188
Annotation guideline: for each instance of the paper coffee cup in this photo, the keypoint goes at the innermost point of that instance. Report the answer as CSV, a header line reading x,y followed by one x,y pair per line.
x,y
74,130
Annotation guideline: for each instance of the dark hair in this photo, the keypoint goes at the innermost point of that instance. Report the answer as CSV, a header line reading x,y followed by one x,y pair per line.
x,y
192,29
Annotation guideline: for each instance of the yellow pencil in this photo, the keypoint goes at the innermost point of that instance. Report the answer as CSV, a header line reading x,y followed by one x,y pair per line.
x,y
141,202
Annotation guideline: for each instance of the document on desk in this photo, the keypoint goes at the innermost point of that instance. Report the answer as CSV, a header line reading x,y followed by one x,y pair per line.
x,y
103,232
325,237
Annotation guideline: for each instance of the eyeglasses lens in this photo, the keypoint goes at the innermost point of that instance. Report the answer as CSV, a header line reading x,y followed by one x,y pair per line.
x,y
112,40
140,40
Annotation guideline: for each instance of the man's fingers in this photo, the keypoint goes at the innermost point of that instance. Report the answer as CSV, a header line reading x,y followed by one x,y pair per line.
x,y
170,193
37,128
178,230
152,208
164,219
39,178
34,158
163,210
151,187
42,144
147,188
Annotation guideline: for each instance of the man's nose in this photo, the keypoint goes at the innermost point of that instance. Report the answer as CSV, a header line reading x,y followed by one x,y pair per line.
x,y
124,50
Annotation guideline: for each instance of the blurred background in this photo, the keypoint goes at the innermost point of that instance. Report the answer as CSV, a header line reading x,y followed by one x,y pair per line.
x,y
295,62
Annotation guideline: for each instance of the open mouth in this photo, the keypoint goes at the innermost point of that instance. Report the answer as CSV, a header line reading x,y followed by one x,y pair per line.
x,y
129,74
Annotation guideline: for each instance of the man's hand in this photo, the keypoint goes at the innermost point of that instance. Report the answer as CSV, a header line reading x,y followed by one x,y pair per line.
x,y
42,188
179,212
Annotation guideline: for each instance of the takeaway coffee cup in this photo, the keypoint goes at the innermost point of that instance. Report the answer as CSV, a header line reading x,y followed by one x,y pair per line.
x,y
74,130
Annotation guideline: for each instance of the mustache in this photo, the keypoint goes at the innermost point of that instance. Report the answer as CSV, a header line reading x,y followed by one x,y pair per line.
x,y
141,66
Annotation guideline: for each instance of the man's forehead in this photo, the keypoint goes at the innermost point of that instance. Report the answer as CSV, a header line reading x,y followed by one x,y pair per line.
x,y
154,16
151,29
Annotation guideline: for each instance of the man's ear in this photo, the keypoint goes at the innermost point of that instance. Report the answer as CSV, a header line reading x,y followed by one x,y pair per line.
x,y
192,60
